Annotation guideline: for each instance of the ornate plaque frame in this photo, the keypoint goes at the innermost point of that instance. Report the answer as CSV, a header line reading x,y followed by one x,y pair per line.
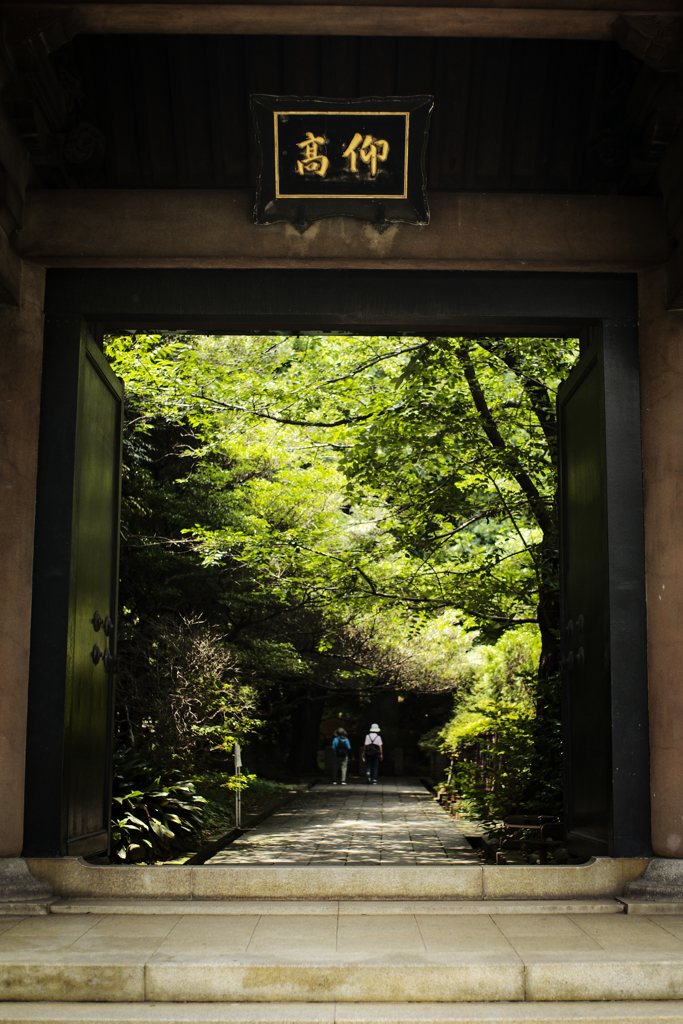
x,y
361,158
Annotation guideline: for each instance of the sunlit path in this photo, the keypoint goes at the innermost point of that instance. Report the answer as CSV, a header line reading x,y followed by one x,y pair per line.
x,y
394,822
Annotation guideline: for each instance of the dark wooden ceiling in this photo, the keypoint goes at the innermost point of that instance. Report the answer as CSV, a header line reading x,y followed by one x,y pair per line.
x,y
517,115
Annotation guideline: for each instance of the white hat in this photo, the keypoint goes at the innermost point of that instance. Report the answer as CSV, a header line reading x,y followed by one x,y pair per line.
x,y
374,727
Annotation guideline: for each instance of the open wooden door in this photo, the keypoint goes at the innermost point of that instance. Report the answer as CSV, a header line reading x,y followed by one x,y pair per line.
x,y
73,622
603,600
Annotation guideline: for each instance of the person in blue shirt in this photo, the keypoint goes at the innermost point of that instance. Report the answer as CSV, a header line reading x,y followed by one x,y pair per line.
x,y
341,748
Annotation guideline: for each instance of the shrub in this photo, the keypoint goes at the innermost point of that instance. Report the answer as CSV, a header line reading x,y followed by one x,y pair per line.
x,y
152,820
492,746
504,753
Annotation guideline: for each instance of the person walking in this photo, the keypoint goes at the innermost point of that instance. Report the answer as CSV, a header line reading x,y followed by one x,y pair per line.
x,y
372,753
341,748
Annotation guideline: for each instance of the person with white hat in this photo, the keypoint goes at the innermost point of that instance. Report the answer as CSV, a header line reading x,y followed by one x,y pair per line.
x,y
372,753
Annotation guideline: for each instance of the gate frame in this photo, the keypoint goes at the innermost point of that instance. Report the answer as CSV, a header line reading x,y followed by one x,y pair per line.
x,y
377,301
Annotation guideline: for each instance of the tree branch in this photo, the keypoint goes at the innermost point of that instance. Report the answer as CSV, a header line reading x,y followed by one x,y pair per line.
x,y
501,618
536,392
370,362
498,442
285,419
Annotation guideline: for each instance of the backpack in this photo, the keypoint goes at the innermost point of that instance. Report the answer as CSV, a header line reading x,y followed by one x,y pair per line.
x,y
341,747
372,748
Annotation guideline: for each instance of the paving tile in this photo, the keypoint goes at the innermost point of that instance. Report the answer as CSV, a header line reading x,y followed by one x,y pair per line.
x,y
630,934
472,934
395,822
197,934
46,933
293,935
376,933
541,933
9,922
24,908
672,924
126,927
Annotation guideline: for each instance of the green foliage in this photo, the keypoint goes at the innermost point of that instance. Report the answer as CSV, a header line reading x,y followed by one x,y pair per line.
x,y
502,732
219,792
337,515
152,819
492,736
180,687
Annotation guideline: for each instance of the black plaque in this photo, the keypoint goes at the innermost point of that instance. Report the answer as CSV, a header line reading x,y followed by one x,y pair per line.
x,y
341,158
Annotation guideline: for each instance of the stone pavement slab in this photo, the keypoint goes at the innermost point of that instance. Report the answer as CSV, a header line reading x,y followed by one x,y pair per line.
x,y
325,958
354,906
395,822
650,1012
634,905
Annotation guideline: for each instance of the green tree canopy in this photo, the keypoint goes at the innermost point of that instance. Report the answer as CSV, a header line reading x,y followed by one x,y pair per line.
x,y
326,503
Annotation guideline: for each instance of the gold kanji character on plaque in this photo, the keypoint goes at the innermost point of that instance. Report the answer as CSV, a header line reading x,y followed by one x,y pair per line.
x,y
312,162
369,149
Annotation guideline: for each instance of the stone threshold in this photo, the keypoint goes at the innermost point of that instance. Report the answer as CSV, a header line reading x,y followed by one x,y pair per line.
x,y
647,1012
354,908
25,908
600,877
633,905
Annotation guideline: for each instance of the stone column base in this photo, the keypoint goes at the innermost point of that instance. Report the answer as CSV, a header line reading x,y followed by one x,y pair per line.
x,y
661,880
20,891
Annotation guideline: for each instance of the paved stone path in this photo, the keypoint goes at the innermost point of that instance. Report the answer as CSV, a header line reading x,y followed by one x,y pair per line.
x,y
395,822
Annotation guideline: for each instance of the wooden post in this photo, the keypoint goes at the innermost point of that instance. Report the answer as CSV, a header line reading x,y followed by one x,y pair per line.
x,y
661,371
21,330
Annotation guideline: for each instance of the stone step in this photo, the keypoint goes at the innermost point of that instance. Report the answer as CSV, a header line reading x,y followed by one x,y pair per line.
x,y
24,908
349,958
648,1012
633,905
344,907
600,878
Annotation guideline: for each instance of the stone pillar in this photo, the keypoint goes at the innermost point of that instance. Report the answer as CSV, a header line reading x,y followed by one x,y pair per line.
x,y
21,343
661,369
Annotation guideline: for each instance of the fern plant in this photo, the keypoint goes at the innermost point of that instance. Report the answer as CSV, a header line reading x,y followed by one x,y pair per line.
x,y
153,818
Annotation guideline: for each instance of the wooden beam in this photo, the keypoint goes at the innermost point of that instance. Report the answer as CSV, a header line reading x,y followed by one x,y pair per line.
x,y
275,19
212,228
15,171
41,28
577,22
670,176
10,273
674,280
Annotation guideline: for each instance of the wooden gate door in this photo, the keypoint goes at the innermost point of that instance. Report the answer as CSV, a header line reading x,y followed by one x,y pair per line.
x,y
603,600
68,783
